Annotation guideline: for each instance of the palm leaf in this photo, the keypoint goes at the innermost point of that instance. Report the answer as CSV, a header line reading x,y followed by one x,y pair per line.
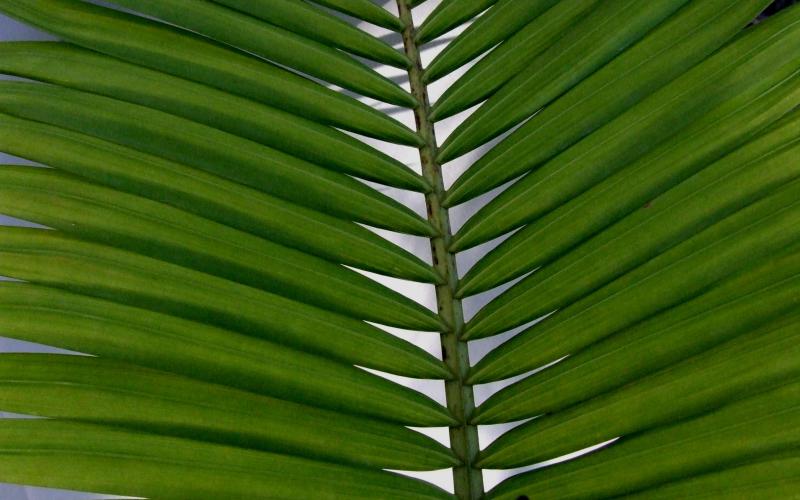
x,y
220,185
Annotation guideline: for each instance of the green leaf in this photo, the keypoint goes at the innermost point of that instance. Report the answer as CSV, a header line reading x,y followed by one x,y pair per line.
x,y
681,42
772,478
303,19
635,186
448,15
273,43
497,24
107,459
713,195
203,352
199,146
734,308
128,222
72,67
365,10
743,431
742,368
742,240
697,96
209,196
154,45
610,28
48,258
509,58
98,391
218,180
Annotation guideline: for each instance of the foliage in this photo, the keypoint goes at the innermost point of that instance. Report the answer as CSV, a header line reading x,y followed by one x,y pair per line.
x,y
207,220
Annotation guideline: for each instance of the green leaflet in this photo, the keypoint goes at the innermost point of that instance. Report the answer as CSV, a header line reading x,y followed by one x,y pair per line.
x,y
203,352
365,10
209,196
678,44
553,235
611,27
135,224
207,206
701,201
736,307
303,19
689,100
509,58
497,24
743,431
673,277
202,147
775,478
744,367
70,66
48,258
275,44
154,45
99,391
98,458
448,15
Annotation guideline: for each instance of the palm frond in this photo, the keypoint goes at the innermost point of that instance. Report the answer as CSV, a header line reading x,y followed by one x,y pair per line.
x,y
219,184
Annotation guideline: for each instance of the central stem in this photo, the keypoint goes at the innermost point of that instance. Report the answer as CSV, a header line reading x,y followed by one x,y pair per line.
x,y
468,481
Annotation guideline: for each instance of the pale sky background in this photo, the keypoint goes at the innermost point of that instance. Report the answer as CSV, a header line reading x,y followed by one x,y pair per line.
x,y
12,30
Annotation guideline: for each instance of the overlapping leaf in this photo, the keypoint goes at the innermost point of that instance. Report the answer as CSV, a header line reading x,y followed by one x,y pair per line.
x,y
202,196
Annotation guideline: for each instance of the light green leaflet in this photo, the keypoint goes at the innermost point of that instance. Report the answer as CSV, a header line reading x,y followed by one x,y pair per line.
x,y
156,46
95,390
129,222
170,467
70,66
200,351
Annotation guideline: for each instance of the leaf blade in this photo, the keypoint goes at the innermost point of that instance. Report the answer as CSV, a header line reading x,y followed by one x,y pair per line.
x,y
96,391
